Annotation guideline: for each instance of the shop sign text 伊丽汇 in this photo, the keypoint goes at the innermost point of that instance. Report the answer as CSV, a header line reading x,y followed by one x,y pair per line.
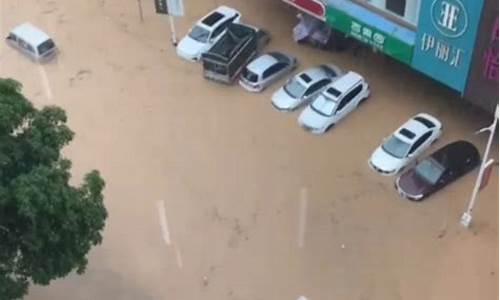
x,y
445,40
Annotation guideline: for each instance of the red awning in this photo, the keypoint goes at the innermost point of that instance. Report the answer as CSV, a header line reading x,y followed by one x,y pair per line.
x,y
315,8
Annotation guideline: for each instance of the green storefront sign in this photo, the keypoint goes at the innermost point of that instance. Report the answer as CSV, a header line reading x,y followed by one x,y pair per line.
x,y
365,33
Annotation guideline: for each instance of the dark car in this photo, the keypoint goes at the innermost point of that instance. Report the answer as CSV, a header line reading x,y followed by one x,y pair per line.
x,y
238,45
438,170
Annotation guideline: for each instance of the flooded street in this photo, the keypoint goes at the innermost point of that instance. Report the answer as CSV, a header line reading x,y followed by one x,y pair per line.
x,y
214,194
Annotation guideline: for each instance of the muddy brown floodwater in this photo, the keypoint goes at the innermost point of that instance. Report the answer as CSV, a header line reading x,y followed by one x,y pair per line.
x,y
213,194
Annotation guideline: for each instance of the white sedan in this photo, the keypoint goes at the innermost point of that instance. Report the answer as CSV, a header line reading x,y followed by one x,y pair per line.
x,y
337,100
207,32
405,144
304,87
266,69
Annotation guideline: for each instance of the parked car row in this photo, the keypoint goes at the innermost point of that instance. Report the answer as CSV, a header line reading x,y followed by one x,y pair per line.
x,y
430,174
328,94
228,49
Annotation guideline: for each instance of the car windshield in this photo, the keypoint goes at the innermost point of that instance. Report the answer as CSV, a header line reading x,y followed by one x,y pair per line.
x,y
199,34
249,75
46,46
430,170
324,105
294,88
279,56
395,147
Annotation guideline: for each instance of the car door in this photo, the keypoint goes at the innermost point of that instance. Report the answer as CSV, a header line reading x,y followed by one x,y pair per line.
x,y
348,103
420,145
272,73
26,48
315,89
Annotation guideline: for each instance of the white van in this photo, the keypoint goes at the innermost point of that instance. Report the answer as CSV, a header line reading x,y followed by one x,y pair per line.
x,y
33,42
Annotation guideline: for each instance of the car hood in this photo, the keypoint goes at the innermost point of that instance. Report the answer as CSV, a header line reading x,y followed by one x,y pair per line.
x,y
410,183
190,47
312,119
282,100
384,161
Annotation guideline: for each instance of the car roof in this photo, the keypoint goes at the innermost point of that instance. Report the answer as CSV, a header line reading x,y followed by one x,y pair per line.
x,y
346,81
260,64
216,16
411,131
453,154
311,75
30,34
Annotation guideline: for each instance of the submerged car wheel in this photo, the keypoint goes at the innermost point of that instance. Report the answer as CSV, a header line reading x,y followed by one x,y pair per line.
x,y
329,127
362,101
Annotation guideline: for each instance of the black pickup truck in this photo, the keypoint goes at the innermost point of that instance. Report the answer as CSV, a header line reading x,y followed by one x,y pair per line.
x,y
237,47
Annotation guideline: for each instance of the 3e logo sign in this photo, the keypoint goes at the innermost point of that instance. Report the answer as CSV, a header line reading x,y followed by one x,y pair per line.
x,y
449,17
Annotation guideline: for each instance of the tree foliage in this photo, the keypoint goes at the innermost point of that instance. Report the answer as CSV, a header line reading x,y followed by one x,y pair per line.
x,y
47,226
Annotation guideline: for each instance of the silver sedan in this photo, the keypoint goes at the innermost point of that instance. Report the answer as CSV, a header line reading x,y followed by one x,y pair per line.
x,y
265,69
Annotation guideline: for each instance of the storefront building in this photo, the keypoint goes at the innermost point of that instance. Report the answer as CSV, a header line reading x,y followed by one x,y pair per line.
x,y
446,34
482,84
440,38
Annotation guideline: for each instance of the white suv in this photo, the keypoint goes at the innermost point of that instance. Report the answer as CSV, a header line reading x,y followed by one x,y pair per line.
x,y
207,32
336,101
32,42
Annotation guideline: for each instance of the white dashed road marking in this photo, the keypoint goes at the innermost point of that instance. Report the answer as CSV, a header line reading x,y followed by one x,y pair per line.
x,y
164,223
45,82
178,256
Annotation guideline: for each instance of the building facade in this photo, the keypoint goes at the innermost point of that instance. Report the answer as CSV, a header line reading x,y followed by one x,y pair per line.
x,y
452,41
482,84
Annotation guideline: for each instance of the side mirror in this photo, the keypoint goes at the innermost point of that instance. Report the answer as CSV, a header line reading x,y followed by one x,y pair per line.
x,y
411,155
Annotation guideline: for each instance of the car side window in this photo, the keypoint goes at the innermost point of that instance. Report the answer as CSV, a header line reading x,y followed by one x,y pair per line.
x,y
273,70
349,97
356,91
343,102
419,142
30,48
12,37
25,45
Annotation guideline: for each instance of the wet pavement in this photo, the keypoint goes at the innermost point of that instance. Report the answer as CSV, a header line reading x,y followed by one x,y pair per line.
x,y
213,194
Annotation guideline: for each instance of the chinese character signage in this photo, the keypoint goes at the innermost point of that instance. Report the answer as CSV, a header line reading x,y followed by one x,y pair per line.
x,y
482,83
445,40
367,35
362,31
